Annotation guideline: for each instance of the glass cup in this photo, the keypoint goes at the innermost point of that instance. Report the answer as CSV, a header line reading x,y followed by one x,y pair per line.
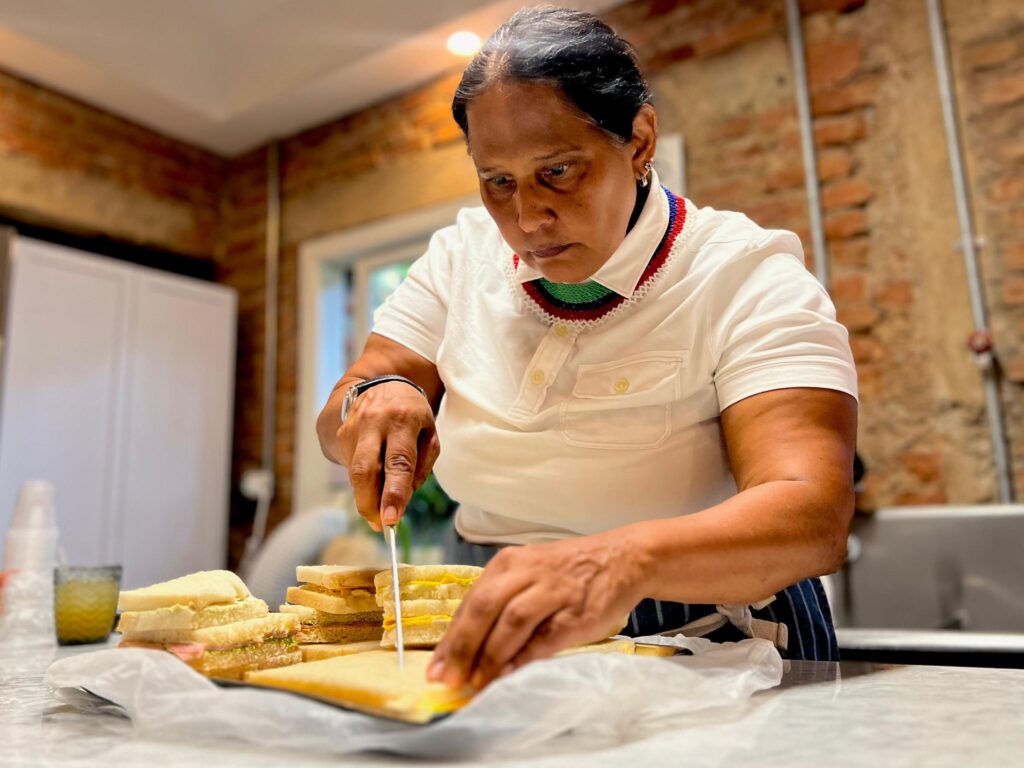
x,y
85,602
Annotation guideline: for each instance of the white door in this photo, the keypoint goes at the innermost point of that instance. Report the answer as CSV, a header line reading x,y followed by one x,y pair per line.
x,y
118,388
62,383
176,462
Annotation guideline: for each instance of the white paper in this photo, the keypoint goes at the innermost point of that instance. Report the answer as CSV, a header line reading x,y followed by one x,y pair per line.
x,y
581,700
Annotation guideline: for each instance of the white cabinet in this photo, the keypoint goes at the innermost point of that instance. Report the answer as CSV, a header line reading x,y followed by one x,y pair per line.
x,y
117,386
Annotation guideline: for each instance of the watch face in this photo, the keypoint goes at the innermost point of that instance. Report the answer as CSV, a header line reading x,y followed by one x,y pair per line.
x,y
346,404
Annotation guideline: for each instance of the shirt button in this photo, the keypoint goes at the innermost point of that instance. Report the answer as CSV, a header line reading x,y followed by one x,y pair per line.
x,y
561,330
537,377
621,386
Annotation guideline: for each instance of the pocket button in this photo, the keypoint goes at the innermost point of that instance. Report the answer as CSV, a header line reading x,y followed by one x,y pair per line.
x,y
537,377
621,386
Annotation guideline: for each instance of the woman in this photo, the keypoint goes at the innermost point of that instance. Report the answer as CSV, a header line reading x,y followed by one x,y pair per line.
x,y
652,399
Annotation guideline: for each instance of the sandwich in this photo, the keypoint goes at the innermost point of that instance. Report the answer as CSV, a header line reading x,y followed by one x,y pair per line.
x,y
318,651
429,596
336,604
210,621
371,682
610,645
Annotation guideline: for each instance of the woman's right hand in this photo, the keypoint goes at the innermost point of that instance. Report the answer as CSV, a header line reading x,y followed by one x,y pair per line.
x,y
389,444
388,441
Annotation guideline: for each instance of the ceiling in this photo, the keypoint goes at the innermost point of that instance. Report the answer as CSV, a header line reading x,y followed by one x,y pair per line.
x,y
228,75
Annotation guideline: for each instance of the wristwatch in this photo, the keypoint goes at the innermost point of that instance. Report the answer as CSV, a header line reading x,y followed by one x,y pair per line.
x,y
357,389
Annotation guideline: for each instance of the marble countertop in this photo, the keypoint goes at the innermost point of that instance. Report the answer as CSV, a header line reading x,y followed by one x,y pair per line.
x,y
848,714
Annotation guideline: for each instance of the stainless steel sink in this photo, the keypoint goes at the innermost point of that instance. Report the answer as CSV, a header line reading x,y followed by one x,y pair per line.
x,y
934,585
934,568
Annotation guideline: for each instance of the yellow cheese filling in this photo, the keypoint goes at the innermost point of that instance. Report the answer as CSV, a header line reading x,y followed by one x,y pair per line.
x,y
409,621
448,578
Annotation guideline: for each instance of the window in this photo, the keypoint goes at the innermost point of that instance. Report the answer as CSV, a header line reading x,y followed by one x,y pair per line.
x,y
343,279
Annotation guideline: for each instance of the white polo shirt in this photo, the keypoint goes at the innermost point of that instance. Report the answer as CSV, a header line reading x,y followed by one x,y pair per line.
x,y
553,427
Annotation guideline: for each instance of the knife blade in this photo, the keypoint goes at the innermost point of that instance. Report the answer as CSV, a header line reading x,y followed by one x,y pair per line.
x,y
399,641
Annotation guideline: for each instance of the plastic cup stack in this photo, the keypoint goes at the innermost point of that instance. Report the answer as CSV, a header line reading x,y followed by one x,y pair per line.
x,y
30,555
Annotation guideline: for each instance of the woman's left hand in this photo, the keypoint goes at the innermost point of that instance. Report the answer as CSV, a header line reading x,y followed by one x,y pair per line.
x,y
535,600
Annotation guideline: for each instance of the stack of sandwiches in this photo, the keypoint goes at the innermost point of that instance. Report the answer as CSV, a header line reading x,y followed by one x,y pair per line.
x,y
429,596
210,621
336,604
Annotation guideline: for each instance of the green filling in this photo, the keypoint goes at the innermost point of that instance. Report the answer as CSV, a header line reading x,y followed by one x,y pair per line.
x,y
575,293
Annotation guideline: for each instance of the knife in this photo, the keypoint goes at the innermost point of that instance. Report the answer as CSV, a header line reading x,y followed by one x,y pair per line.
x,y
399,642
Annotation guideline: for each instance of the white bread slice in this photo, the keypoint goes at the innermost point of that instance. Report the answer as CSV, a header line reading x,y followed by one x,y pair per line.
x,y
318,651
352,601
417,632
371,682
183,617
196,591
610,645
313,618
337,576
234,663
340,633
237,633
411,608
440,582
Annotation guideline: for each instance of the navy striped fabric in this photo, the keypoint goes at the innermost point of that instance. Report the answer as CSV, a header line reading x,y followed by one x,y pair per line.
x,y
801,607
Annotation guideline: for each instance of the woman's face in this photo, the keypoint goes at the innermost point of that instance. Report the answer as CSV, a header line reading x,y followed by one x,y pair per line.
x,y
559,188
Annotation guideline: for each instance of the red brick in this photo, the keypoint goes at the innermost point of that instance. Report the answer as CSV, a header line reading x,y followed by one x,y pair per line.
x,y
736,34
857,317
1006,189
840,129
1013,290
845,224
1003,89
848,289
771,120
870,382
788,177
832,62
989,55
836,6
1013,368
894,294
834,163
920,498
850,253
1012,255
846,193
926,467
860,93
733,127
867,349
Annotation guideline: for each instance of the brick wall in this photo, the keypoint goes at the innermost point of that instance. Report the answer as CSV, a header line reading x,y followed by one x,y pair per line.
x,y
66,165
722,76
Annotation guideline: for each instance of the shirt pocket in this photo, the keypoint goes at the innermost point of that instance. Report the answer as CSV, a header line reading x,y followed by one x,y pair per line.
x,y
623,404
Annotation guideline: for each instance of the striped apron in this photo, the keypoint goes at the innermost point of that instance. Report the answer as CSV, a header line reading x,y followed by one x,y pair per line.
x,y
797,619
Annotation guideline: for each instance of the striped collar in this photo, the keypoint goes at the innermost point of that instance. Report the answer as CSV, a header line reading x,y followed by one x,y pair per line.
x,y
622,272
549,306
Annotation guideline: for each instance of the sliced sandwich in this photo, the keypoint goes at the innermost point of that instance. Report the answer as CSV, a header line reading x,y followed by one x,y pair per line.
x,y
429,596
336,604
371,682
211,622
318,651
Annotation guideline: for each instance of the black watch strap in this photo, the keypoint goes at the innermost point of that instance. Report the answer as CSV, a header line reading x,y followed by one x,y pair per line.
x,y
357,389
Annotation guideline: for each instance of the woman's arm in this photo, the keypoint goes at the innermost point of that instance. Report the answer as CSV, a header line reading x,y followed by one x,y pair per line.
x,y
791,452
391,420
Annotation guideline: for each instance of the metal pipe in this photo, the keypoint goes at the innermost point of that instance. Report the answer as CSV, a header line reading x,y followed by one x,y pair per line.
x,y
968,245
803,106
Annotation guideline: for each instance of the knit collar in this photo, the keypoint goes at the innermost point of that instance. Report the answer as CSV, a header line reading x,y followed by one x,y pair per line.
x,y
623,270
550,308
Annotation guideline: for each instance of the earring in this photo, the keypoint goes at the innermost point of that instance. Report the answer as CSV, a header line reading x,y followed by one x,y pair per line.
x,y
646,178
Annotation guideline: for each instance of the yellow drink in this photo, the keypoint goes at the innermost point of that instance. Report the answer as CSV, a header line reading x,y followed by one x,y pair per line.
x,y
85,604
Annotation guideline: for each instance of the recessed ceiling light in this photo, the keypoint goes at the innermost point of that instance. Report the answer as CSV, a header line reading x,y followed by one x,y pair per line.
x,y
464,43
